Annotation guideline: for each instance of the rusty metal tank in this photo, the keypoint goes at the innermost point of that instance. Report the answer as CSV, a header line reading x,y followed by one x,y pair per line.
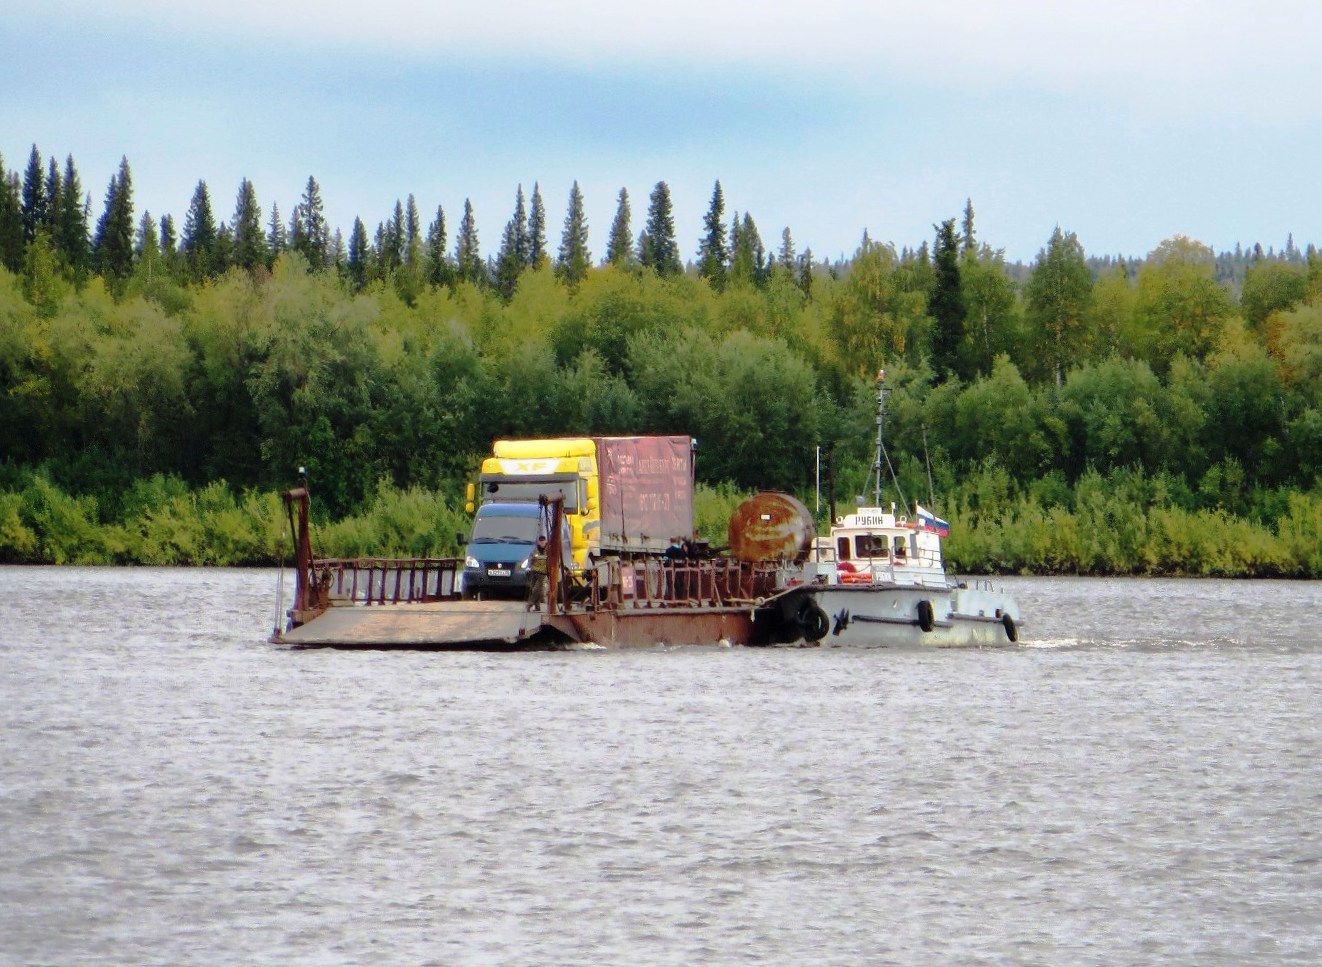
x,y
771,526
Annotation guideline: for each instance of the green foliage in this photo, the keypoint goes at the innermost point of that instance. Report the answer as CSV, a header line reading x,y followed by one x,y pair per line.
x,y
572,263
712,509
877,315
1181,308
946,304
712,254
1057,299
1124,523
1271,287
1139,422
619,246
40,524
397,523
657,248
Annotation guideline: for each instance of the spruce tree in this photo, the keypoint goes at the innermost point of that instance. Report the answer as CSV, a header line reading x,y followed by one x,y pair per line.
x,y
34,196
308,231
619,250
147,247
378,260
536,229
966,229
335,254
805,273
250,249
657,249
574,259
747,253
438,264
54,197
277,239
358,255
412,233
946,303
522,238
786,257
71,234
147,237
392,242
198,243
169,240
113,247
224,251
712,254
512,258
469,266
11,220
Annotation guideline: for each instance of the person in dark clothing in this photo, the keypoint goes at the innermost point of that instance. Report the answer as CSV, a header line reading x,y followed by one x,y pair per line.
x,y
537,576
676,560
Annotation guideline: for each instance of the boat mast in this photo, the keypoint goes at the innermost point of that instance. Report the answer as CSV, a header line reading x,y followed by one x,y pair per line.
x,y
881,448
882,459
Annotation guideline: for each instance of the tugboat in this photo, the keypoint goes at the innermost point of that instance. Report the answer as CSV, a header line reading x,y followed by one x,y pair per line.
x,y
879,578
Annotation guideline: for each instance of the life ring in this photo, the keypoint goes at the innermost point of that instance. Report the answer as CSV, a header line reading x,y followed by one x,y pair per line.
x,y
1011,631
926,616
812,620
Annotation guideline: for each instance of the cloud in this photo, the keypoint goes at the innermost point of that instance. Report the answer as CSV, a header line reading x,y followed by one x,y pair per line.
x,y
1168,58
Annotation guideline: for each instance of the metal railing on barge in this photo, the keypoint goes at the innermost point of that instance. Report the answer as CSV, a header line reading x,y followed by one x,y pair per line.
x,y
613,584
659,583
373,581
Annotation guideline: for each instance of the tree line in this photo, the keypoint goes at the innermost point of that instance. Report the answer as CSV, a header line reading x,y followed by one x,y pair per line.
x,y
142,370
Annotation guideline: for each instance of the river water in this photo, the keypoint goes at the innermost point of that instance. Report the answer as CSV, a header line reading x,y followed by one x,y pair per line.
x,y
1139,783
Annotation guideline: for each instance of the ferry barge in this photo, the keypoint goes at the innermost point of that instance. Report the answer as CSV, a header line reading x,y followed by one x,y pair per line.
x,y
878,579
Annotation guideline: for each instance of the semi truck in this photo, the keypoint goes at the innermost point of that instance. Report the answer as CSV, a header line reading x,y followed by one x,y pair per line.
x,y
622,495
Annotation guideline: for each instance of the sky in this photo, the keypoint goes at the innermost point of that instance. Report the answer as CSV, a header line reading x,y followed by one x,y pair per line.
x,y
1126,123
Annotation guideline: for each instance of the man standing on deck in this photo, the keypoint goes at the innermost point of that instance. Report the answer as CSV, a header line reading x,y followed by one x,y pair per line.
x,y
537,575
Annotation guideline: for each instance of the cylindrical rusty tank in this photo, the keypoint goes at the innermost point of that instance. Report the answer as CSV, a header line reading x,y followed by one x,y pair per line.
x,y
771,526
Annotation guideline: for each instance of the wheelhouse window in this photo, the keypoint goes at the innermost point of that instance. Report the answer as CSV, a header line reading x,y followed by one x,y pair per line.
x,y
871,545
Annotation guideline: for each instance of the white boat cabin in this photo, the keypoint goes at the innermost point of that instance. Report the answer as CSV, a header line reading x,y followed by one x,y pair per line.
x,y
877,546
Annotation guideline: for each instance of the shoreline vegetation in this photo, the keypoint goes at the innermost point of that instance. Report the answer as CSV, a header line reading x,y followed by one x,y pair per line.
x,y
161,383
1110,531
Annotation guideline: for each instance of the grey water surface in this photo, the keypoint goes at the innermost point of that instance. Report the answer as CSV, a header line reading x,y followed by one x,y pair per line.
x,y
1138,784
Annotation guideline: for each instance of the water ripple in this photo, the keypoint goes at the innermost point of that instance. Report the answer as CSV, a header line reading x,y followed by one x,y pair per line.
x,y
1137,785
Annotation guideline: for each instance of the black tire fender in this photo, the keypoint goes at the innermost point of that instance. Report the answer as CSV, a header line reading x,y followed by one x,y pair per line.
x,y
812,620
926,616
1011,630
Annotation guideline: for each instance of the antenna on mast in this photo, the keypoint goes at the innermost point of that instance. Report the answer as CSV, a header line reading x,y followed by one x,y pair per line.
x,y
882,458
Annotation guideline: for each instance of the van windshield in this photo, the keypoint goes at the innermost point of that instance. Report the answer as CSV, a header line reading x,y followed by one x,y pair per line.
x,y
495,528
530,490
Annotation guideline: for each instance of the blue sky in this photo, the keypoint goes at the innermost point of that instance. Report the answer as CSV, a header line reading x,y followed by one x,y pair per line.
x,y
1127,123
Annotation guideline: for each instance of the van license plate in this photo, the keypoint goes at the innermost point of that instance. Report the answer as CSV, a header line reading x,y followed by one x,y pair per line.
x,y
498,572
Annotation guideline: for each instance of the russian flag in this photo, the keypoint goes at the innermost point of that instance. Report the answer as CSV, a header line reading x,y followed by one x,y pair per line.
x,y
928,521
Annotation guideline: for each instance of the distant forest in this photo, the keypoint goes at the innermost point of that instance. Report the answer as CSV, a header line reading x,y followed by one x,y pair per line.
x,y
160,382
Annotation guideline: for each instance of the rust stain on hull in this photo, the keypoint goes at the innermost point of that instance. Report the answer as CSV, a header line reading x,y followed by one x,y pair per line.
x,y
647,629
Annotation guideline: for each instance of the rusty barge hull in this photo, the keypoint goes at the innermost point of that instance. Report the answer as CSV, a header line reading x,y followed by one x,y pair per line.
x,y
649,629
438,624
509,626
